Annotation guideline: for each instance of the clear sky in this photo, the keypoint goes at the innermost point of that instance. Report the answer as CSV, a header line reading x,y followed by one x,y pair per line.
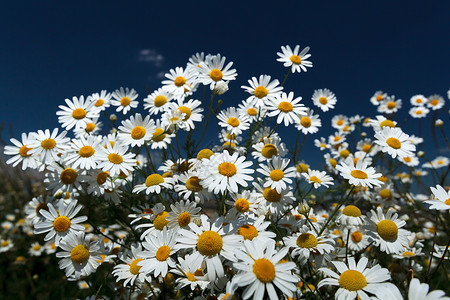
x,y
52,50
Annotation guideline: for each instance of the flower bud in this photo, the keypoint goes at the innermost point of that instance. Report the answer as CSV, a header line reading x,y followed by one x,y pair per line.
x,y
113,117
439,123
221,88
303,208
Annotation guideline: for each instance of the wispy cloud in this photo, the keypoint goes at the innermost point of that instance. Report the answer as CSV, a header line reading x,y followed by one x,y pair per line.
x,y
151,56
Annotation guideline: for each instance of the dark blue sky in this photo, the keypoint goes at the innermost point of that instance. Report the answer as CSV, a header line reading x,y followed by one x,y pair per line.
x,y
52,50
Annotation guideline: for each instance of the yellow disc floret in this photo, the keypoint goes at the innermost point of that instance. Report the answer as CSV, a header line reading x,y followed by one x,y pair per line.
x,y
264,270
359,174
154,179
160,100
248,231
352,280
48,144
242,205
125,101
204,153
158,135
285,107
163,253
227,169
160,220
387,230
295,59
323,100
68,176
394,143
115,158
216,74
356,236
307,240
193,184
78,113
305,121
352,211
79,254
209,243
271,195
269,150
276,175
184,219
61,224
387,123
86,151
261,92
134,268
138,132
185,110
23,151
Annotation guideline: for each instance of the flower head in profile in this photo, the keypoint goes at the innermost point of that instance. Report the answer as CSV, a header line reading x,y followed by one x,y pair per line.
x,y
442,198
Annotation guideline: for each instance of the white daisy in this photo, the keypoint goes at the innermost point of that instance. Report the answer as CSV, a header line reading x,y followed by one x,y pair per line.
x,y
209,243
418,112
191,185
243,203
157,101
277,173
255,229
21,153
190,113
437,163
318,178
160,138
359,174
194,280
435,102
287,108
351,216
36,249
85,152
178,83
47,146
33,208
260,270
378,97
357,239
386,231
269,148
233,121
182,214
293,59
63,178
324,99
153,184
275,202
250,109
77,113
101,100
80,257
115,159
441,200
418,100
262,90
124,99
390,105
214,71
309,123
136,131
395,142
419,291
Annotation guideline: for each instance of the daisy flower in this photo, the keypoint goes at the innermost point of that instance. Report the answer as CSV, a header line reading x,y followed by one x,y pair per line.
x,y
268,149
178,83
339,121
226,172
336,139
6,245
262,90
190,113
36,249
418,112
194,280
243,203
80,257
306,244
437,163
157,101
321,144
277,173
378,97
358,239
210,241
47,146
390,105
233,121
355,280
386,231
252,229
250,109
324,99
136,131
160,138
92,128
418,100
419,291
101,100
359,174
115,159
287,108
395,142
435,102
214,71
153,184
351,216
191,184
318,178
98,182
309,123
381,122
60,221
275,202
77,113
442,198
182,214
124,99
260,270
20,152
33,208
64,178
195,60
158,248
85,152
293,59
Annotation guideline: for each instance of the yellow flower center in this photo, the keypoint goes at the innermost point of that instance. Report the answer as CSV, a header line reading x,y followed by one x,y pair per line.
x,y
209,243
154,179
68,176
39,207
185,110
339,122
115,158
356,236
385,193
242,205
228,145
216,74
269,150
344,153
271,195
391,104
179,81
261,92
352,280
159,135
295,59
99,102
248,231
352,211
160,220
205,153
86,151
394,143
332,162
79,113
37,247
366,148
163,253
447,202
276,175
4,243
387,230
61,224
323,100
285,107
101,177
379,98
408,254
302,168
227,169
233,122
79,254
184,219
125,101
23,151
134,268
160,100
252,112
307,240
305,121
387,123
264,270
48,144
315,179
138,132
359,174
90,127
193,184
434,102
418,112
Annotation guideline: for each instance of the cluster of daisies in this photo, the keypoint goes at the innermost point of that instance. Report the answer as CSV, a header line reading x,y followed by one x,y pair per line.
x,y
244,216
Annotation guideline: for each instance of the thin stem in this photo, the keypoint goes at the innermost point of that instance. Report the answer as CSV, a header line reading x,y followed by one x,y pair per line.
x,y
337,209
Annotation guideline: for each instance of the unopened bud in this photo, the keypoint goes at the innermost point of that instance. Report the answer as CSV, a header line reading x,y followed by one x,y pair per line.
x,y
312,202
363,134
420,154
303,208
113,130
439,123
113,117
221,88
